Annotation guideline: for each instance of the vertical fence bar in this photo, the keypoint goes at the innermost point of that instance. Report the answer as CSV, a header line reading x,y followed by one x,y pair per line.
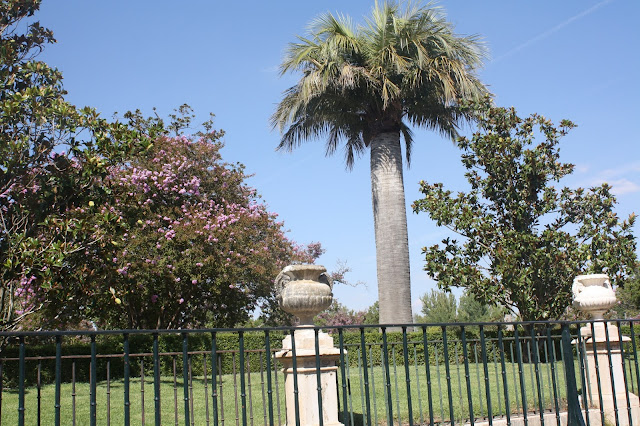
x,y
94,379
1,389
220,392
597,368
191,399
275,376
584,378
523,389
613,385
635,358
395,381
387,384
373,386
262,393
456,359
318,377
267,348
345,410
475,356
243,394
427,368
405,352
175,390
574,414
536,363
73,392
108,392
21,368
553,375
447,372
58,379
465,356
624,373
487,384
235,387
296,402
143,417
513,371
415,365
39,392
214,365
439,384
349,389
503,369
185,377
156,380
250,398
127,372
497,375
365,363
206,388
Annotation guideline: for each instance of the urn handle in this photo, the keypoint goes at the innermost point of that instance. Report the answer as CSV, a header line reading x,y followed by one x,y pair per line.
x,y
326,279
283,278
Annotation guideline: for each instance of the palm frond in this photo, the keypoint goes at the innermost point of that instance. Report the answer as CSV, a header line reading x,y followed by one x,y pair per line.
x,y
405,66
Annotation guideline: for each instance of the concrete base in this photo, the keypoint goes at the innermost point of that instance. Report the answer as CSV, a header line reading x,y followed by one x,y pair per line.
x,y
307,378
612,387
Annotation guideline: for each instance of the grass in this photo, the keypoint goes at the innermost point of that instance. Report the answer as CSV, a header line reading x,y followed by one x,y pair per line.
x,y
229,405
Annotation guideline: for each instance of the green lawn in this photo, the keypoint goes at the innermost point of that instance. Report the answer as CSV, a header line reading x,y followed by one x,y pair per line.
x,y
172,396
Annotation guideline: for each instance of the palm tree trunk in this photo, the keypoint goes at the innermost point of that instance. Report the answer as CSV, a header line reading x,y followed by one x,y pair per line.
x,y
390,223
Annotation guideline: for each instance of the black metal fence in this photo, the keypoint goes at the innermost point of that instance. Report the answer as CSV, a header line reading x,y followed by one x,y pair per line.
x,y
525,373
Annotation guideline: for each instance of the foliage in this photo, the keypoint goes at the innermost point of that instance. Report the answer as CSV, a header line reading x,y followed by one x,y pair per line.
x,y
53,158
628,297
187,244
440,306
524,240
365,86
406,66
339,314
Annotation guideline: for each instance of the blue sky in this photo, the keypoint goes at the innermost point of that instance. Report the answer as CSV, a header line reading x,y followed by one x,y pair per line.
x,y
563,59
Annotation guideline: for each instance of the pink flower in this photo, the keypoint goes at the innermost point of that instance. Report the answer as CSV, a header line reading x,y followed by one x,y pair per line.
x,y
154,298
181,301
194,282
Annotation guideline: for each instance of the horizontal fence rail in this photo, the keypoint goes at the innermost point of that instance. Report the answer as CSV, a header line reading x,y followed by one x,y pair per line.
x,y
435,374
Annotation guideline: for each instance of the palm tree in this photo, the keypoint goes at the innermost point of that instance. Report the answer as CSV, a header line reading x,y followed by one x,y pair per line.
x,y
365,85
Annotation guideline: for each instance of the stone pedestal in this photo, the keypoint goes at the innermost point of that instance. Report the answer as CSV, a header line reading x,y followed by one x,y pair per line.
x,y
593,294
610,389
307,378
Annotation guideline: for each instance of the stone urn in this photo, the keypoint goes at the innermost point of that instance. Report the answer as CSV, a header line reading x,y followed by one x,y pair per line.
x,y
593,294
304,291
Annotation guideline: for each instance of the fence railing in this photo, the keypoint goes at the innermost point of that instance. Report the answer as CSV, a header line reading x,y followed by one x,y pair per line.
x,y
531,373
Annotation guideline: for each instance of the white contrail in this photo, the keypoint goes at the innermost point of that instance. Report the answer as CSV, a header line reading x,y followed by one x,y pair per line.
x,y
552,30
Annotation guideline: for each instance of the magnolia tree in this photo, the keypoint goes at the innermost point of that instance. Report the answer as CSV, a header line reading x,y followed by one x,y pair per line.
x,y
184,243
522,239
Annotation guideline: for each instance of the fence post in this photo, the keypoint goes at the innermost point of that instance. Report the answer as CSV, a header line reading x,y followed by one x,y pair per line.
x,y
574,413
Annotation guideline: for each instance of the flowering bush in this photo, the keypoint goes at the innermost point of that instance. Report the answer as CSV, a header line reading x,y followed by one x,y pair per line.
x,y
184,243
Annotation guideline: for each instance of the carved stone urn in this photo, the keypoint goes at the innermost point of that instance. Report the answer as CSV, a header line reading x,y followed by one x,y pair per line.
x,y
593,294
304,291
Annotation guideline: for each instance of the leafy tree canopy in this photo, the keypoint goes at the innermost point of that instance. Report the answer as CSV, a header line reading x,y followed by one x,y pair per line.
x,y
53,157
523,240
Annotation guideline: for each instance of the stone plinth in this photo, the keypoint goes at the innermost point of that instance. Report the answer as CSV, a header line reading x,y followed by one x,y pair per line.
x,y
307,378
593,294
610,389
